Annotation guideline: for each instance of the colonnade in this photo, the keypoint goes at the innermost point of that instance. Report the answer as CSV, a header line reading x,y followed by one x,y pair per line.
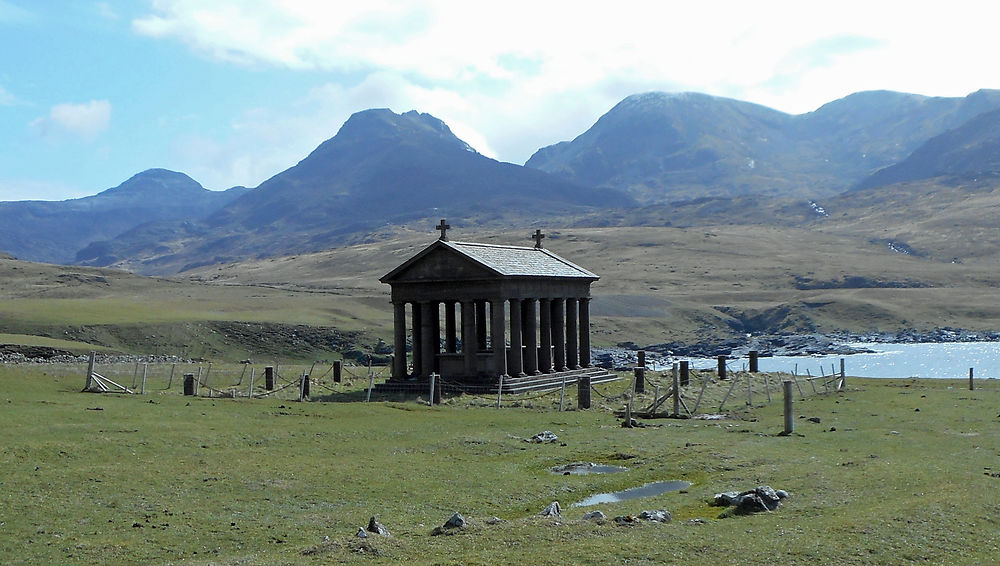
x,y
546,335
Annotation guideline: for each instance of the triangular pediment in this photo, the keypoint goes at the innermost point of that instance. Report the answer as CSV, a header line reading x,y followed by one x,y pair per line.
x,y
440,263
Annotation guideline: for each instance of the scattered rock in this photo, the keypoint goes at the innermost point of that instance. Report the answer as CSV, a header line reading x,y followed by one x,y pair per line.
x,y
594,516
457,521
543,437
455,524
814,420
494,521
658,516
762,498
626,520
552,510
361,534
378,528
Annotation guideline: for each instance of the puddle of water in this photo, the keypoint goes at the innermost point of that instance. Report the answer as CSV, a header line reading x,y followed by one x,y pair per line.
x,y
648,490
579,468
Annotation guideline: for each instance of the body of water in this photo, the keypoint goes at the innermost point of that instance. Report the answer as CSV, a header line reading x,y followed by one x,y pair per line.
x,y
949,360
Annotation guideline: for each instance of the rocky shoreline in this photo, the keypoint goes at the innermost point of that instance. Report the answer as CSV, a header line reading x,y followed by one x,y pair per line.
x,y
624,355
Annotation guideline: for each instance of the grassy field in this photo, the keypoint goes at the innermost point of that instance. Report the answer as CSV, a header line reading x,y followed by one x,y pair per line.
x,y
894,472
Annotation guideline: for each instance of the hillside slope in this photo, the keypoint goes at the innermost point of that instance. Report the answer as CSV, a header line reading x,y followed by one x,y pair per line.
x,y
381,170
660,147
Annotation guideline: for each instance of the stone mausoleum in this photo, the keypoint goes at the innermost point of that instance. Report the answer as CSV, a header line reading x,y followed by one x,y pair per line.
x,y
511,315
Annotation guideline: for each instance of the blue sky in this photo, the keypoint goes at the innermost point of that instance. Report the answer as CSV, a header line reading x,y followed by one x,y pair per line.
x,y
233,92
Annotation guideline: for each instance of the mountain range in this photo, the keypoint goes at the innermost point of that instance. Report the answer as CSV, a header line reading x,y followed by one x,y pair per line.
x,y
384,170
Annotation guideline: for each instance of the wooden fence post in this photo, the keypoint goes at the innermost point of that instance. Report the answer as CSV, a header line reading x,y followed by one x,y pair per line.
x,y
500,391
972,387
304,386
250,390
269,378
677,391
583,392
144,368
90,371
789,419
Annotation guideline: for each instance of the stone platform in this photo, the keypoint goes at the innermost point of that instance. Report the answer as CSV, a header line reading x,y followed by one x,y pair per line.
x,y
511,385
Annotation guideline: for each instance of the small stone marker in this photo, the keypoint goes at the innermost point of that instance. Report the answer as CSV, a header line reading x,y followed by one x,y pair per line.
x,y
189,384
269,378
753,361
338,368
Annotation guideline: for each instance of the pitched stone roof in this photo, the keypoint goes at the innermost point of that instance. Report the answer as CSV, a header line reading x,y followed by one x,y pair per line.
x,y
504,261
518,261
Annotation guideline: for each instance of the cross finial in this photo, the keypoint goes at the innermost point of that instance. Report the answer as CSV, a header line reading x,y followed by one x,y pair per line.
x,y
537,236
443,227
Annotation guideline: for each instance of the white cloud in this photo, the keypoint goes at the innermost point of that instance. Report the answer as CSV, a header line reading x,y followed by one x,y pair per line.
x,y
509,79
6,98
15,14
106,11
87,120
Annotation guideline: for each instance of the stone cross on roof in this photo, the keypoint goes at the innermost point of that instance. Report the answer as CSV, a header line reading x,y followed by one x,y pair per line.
x,y
537,236
443,227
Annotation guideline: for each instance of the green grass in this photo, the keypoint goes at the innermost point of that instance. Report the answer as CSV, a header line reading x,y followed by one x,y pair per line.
x,y
29,340
163,478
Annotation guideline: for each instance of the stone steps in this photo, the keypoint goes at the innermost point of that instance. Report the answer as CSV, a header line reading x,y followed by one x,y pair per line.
x,y
511,385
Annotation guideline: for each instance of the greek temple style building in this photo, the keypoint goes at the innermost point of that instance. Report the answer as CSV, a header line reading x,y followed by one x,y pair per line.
x,y
514,315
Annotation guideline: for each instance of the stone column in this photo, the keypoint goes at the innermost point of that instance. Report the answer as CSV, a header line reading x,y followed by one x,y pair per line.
x,y
497,337
469,339
481,326
450,333
545,332
585,332
516,349
529,336
430,337
572,335
416,339
398,340
559,333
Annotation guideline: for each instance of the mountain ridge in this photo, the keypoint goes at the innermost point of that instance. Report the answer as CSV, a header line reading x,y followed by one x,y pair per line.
x,y
52,231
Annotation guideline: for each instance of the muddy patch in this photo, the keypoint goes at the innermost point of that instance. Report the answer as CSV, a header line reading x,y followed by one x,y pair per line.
x,y
581,468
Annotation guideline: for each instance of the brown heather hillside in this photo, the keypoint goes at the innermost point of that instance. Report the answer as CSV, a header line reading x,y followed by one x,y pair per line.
x,y
694,271
665,283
